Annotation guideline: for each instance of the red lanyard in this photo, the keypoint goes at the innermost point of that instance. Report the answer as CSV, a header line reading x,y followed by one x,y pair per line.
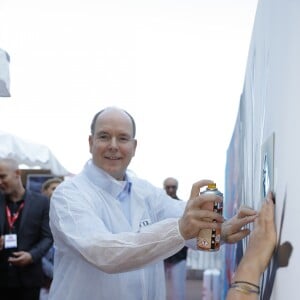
x,y
11,219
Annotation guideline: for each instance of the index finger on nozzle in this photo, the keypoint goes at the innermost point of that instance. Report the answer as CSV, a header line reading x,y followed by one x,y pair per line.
x,y
198,185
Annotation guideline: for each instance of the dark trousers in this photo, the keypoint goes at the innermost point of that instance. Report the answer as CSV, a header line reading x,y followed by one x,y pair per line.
x,y
20,293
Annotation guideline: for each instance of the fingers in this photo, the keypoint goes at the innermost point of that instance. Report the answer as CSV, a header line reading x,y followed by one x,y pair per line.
x,y
20,258
193,220
189,228
269,206
245,220
199,212
209,216
237,236
206,201
197,187
263,238
266,218
271,197
233,229
245,211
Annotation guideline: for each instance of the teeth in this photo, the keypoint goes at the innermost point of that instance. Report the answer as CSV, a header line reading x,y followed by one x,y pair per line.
x,y
112,157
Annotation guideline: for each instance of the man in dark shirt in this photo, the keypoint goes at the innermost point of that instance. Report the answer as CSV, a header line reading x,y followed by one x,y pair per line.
x,y
25,235
175,265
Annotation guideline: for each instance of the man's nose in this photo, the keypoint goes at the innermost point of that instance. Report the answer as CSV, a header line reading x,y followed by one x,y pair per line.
x,y
113,141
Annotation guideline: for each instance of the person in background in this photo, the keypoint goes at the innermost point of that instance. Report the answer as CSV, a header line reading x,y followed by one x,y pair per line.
x,y
175,265
112,230
25,235
259,250
50,185
48,188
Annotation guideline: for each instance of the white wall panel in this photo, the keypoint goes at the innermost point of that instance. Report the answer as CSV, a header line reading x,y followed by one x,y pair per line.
x,y
270,105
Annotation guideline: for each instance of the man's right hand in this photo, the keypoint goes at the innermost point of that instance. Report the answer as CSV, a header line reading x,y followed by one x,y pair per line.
x,y
195,217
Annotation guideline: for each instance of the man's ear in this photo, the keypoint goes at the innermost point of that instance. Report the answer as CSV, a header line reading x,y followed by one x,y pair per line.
x,y
18,173
135,145
90,142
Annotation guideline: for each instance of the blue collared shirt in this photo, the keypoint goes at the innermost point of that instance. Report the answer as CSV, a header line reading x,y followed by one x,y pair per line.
x,y
124,198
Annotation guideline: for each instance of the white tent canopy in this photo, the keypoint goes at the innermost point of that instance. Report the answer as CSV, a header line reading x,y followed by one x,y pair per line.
x,y
30,154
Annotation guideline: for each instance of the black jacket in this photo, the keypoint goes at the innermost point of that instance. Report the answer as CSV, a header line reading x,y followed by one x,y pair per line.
x,y
177,257
33,236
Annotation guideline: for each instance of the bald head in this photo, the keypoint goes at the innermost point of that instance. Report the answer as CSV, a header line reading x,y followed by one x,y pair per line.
x,y
171,186
109,109
9,163
10,178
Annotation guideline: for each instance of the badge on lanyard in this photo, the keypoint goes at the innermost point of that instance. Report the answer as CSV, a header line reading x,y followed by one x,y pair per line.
x,y
10,241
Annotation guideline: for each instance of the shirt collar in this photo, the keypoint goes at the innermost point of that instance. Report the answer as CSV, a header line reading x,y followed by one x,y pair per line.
x,y
103,180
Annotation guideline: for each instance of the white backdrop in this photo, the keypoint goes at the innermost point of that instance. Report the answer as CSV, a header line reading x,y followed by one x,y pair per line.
x,y
266,138
176,66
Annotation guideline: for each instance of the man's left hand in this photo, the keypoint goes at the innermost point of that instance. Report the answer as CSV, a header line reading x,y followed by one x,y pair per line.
x,y
233,229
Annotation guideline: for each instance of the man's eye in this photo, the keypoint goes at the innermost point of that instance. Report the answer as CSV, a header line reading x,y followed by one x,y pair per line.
x,y
124,139
103,137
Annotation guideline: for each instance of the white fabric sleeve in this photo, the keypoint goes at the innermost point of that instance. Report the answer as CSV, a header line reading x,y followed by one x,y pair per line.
x,y
78,230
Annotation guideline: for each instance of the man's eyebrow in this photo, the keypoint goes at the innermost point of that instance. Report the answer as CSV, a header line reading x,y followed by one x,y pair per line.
x,y
120,134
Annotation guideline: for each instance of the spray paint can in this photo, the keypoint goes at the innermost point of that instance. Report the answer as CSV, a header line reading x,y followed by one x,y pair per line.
x,y
210,239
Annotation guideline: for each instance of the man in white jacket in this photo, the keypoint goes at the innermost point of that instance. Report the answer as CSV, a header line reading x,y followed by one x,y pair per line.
x,y
113,230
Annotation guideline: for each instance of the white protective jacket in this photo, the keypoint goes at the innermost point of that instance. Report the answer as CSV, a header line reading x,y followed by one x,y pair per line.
x,y
99,255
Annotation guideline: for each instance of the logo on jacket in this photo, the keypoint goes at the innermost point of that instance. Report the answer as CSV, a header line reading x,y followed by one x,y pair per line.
x,y
145,222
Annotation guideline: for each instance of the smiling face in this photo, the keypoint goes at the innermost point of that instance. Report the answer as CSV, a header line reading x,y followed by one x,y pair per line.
x,y
112,144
